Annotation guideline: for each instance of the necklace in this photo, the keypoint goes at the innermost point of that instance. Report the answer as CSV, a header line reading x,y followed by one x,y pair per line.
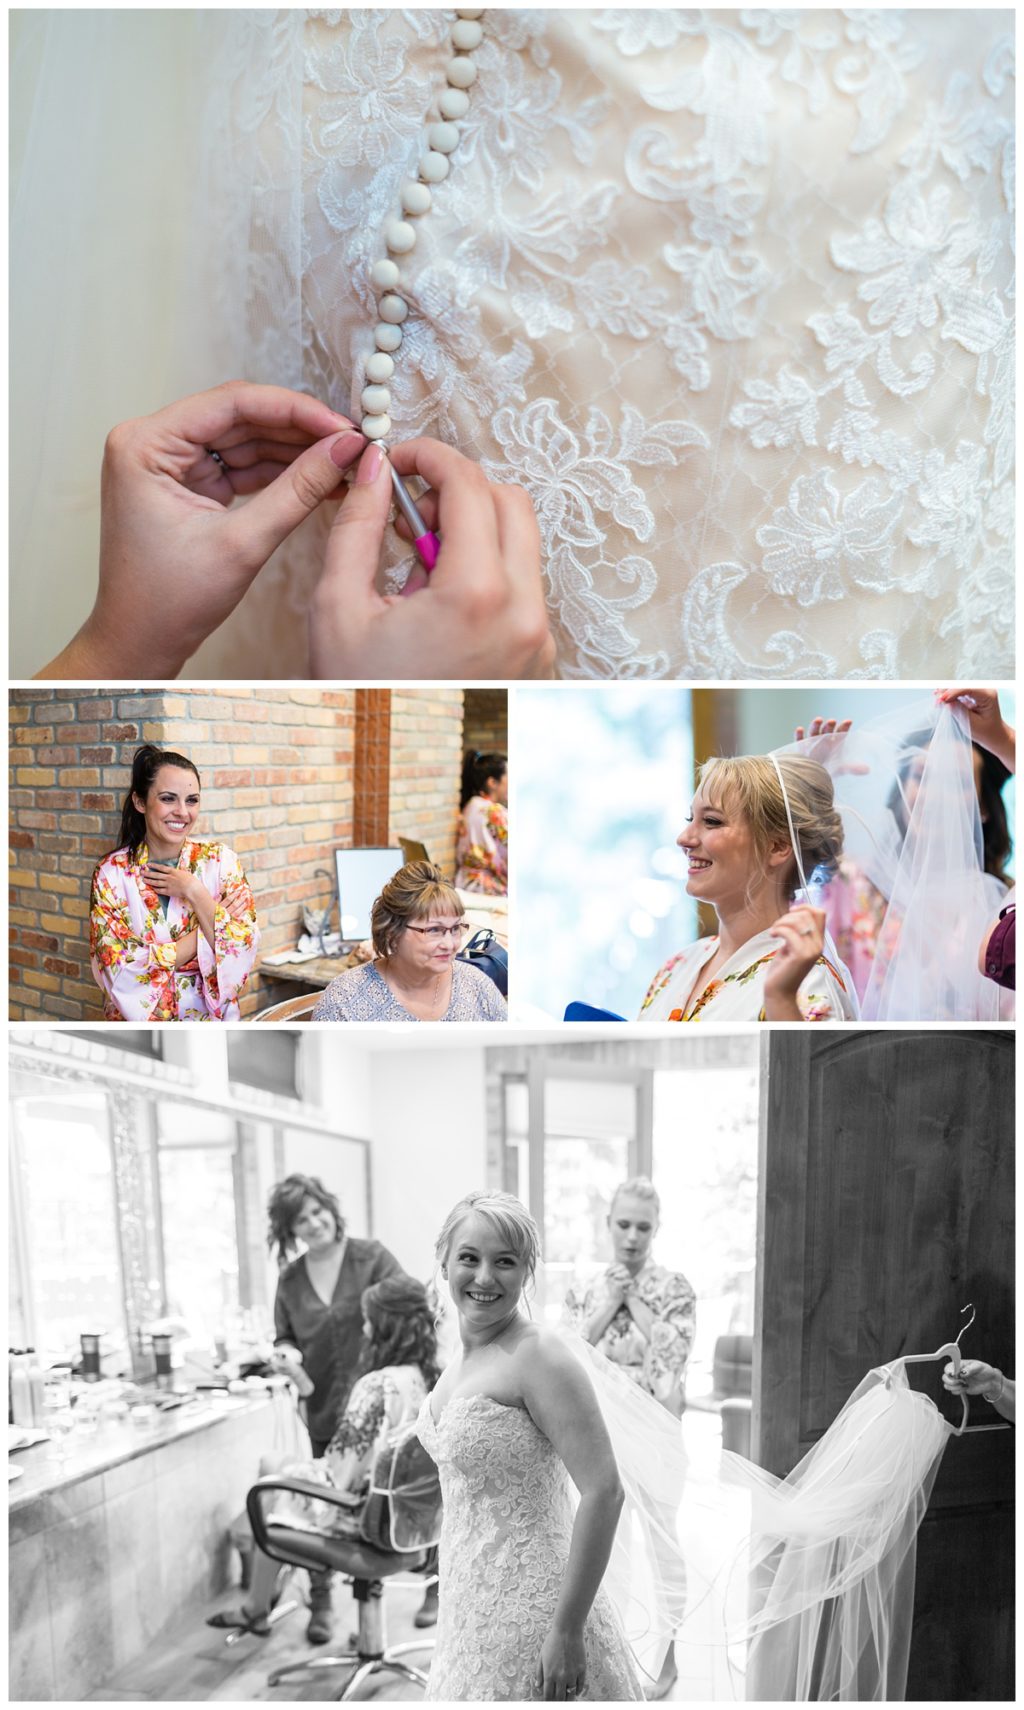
x,y
415,198
407,1001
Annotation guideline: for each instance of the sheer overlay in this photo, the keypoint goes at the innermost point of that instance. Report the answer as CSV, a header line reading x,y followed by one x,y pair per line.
x,y
795,1589
905,788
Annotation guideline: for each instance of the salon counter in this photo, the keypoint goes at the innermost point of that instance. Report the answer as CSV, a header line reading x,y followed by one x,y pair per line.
x,y
126,1536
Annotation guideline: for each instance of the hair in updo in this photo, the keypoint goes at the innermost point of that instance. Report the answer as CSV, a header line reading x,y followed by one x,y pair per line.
x,y
401,1319
416,890
146,763
751,782
477,768
641,1187
509,1217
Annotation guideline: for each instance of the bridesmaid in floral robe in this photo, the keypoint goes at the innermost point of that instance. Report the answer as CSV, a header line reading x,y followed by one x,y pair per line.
x,y
172,924
642,1317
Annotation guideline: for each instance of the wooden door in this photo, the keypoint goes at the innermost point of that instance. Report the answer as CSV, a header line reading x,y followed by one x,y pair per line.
x,y
886,1205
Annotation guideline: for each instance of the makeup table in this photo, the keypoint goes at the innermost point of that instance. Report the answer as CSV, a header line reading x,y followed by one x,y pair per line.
x,y
125,1534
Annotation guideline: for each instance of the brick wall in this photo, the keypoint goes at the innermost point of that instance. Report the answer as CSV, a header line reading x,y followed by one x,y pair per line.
x,y
485,720
277,767
426,769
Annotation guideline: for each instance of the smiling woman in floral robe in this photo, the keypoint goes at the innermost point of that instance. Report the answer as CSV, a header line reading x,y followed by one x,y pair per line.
x,y
134,942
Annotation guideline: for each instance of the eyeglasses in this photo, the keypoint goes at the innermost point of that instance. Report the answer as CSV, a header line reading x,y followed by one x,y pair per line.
x,y
439,932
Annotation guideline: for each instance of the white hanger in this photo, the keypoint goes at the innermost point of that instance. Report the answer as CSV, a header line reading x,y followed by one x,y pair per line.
x,y
952,1351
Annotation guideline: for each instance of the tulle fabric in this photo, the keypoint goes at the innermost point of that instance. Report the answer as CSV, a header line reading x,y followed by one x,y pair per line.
x,y
904,786
797,1589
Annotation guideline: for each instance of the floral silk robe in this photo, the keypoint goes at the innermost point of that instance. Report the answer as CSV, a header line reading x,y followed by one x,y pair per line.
x,y
737,991
658,1365
481,853
133,943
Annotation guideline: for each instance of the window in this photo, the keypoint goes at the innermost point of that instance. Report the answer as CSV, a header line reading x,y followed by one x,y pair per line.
x,y
266,1058
141,1041
67,1276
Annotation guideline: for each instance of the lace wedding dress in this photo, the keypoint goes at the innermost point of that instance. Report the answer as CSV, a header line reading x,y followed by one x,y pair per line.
x,y
507,1526
728,292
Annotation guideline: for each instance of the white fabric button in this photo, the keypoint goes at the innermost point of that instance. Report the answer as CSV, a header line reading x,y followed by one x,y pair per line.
x,y
376,400
415,198
434,166
454,103
444,138
387,338
461,71
399,236
393,310
376,427
467,34
379,366
384,273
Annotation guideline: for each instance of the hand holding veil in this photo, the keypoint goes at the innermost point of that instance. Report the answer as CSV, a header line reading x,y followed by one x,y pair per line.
x,y
905,789
795,1589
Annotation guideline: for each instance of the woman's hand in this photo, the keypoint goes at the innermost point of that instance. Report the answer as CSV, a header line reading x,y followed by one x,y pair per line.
x,y
562,1668
801,935
480,614
172,882
824,727
618,1283
176,555
186,952
984,715
973,1377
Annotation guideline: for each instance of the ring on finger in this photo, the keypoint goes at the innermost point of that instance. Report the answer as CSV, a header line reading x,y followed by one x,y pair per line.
x,y
217,458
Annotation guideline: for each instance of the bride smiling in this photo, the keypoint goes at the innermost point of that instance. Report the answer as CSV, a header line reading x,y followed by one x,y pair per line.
x,y
513,1418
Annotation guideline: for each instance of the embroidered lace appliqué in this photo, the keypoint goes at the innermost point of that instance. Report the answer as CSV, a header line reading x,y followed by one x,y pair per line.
x,y
729,294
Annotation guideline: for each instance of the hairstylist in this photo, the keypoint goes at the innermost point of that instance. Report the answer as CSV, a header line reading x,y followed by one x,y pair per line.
x,y
318,1319
176,554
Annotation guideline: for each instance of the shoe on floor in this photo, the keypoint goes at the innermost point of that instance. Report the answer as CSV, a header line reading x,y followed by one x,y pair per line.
x,y
321,1616
321,1626
236,1620
426,1614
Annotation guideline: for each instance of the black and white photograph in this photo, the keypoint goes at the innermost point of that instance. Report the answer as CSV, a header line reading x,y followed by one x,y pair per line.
x,y
601,1368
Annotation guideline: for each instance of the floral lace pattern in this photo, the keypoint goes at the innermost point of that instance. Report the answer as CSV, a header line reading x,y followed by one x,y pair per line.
x,y
728,292
503,1550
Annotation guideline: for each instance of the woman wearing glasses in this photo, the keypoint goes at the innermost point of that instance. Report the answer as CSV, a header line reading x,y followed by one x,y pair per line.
x,y
417,925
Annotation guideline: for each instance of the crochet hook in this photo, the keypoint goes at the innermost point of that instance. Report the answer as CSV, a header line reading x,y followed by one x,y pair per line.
x,y
426,543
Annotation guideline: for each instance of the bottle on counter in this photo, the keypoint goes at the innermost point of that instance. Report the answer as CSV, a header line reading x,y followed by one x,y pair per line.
x,y
21,1389
35,1384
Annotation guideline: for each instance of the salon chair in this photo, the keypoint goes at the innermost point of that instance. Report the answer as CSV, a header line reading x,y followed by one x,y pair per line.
x,y
365,1566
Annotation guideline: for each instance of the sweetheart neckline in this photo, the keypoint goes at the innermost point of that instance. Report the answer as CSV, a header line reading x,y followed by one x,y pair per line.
x,y
474,1395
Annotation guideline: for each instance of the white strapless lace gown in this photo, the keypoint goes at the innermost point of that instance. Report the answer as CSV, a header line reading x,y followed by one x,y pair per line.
x,y
504,1545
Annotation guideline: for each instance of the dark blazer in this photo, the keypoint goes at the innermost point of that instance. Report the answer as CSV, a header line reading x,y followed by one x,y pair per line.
x,y
329,1337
